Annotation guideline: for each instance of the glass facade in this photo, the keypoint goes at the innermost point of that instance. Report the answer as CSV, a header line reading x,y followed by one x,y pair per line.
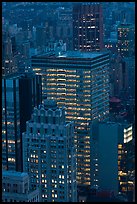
x,y
15,112
10,124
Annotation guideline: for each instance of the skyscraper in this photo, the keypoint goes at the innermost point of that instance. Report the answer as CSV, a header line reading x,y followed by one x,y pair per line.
x,y
104,156
20,93
8,60
80,82
87,27
49,154
108,148
126,40
40,36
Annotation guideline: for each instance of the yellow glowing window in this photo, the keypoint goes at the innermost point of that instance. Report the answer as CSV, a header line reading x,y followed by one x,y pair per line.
x,y
11,159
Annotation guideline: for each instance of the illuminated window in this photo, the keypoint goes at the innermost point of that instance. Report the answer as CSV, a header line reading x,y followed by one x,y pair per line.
x,y
11,159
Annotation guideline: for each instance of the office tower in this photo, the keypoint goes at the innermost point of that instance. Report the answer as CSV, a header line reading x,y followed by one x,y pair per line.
x,y
15,188
104,156
14,45
24,57
124,14
64,27
20,93
108,152
87,27
8,62
41,36
126,153
49,154
126,40
119,77
129,63
19,37
80,82
122,77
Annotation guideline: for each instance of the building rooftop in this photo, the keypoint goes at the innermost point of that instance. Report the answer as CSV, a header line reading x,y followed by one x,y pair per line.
x,y
127,24
78,54
73,54
18,75
14,173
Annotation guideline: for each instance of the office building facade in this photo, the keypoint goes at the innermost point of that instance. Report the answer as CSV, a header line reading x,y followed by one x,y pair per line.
x,y
80,82
104,156
87,27
125,163
9,64
49,154
126,40
20,93
15,188
108,152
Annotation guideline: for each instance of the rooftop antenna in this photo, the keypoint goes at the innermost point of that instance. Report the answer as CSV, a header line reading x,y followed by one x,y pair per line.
x,y
124,21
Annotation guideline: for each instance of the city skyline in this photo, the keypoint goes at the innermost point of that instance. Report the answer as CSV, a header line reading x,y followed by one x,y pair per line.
x,y
68,101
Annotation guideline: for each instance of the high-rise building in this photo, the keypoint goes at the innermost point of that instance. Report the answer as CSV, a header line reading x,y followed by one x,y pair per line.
x,y
80,82
125,163
20,93
126,39
24,56
108,153
119,77
122,77
49,154
8,62
87,27
104,156
40,36
15,188
129,63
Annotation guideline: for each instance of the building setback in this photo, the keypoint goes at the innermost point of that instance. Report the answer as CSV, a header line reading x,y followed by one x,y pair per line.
x,y
49,154
15,188
80,82
20,93
87,27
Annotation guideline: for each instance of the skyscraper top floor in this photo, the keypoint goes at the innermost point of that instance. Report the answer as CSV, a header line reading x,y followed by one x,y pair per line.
x,y
73,54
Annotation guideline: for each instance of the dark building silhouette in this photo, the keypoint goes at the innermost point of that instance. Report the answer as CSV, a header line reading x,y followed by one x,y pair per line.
x,y
8,60
20,93
40,36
